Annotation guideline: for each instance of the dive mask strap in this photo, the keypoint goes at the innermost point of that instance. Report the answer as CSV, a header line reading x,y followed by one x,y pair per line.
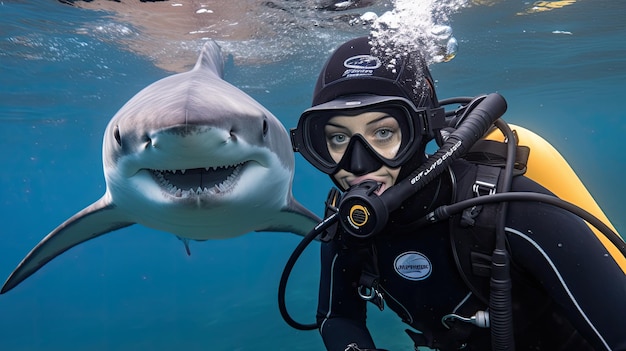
x,y
435,121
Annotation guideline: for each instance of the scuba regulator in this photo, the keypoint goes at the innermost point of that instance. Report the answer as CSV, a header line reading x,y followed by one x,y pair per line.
x,y
361,212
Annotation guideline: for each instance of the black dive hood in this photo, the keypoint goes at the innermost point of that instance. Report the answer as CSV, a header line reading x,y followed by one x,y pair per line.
x,y
362,213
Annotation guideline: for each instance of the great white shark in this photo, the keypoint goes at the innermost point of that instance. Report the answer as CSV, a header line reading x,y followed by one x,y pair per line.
x,y
191,155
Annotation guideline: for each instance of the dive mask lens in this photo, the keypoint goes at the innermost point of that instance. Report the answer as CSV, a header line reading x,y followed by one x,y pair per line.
x,y
390,131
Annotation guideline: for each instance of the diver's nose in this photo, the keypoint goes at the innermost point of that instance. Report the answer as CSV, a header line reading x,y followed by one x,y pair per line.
x,y
362,160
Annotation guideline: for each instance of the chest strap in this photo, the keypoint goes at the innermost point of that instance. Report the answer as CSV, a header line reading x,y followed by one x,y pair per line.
x,y
368,288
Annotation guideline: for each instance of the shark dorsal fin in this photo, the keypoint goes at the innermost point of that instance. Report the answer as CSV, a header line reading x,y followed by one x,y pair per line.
x,y
211,59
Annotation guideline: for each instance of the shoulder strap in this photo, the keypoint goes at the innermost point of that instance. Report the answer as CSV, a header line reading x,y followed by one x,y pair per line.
x,y
472,233
493,153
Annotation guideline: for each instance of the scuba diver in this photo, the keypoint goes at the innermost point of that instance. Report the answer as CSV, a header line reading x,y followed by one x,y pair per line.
x,y
515,272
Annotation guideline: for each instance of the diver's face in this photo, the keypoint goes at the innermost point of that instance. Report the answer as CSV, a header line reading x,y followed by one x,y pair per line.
x,y
382,133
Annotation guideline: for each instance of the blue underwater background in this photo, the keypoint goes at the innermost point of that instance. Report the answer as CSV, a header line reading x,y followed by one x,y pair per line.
x,y
563,73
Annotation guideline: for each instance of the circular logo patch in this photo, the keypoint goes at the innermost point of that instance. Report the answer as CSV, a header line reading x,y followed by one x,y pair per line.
x,y
413,265
362,62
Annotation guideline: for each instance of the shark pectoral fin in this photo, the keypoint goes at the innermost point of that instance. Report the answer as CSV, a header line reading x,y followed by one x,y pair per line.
x,y
295,218
186,243
99,218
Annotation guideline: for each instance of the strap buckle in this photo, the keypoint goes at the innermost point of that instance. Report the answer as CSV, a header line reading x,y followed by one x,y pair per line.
x,y
373,295
481,188
486,180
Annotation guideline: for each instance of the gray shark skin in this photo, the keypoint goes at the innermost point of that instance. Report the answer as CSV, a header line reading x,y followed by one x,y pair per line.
x,y
191,155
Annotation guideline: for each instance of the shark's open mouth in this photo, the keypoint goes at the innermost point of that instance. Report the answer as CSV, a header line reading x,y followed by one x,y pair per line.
x,y
198,181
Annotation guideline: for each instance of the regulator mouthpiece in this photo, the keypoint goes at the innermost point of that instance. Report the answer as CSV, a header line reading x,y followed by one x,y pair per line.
x,y
361,212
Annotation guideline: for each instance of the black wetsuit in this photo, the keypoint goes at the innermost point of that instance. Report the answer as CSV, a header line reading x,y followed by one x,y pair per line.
x,y
568,292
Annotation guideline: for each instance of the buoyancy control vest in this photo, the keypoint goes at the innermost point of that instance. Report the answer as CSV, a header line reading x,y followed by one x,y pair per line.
x,y
539,161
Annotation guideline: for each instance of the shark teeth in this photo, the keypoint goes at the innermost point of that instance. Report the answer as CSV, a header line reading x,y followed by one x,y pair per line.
x,y
198,181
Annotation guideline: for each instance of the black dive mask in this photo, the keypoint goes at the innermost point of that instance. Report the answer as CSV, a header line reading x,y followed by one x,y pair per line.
x,y
359,157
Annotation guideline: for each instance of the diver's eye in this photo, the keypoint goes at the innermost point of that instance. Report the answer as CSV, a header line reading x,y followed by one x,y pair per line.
x,y
337,142
383,134
116,134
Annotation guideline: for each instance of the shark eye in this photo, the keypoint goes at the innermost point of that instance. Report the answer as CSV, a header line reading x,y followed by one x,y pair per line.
x,y
147,141
116,134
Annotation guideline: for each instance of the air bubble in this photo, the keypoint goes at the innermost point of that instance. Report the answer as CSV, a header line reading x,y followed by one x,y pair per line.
x,y
418,26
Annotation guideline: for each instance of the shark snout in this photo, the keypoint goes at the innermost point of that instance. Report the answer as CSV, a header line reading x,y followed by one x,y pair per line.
x,y
191,137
